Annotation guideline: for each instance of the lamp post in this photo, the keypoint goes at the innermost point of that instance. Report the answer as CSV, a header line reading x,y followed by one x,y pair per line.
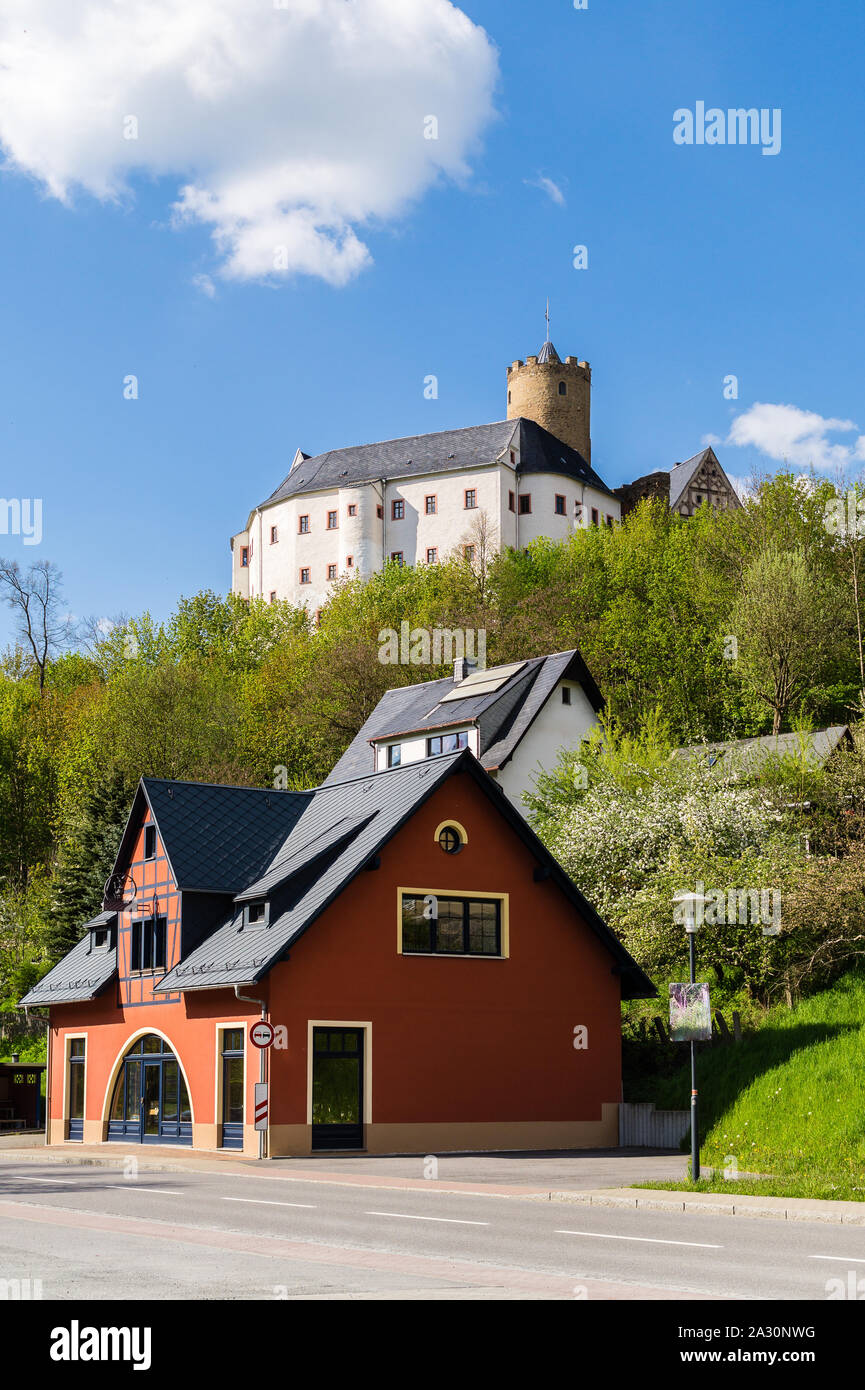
x,y
690,902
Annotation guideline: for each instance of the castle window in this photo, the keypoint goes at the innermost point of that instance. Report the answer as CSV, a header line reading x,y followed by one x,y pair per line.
x,y
509,398
304,576
274,535
349,560
432,556
560,505
525,504
352,509
512,506
379,511
430,505
303,525
331,571
595,517
513,457
273,596
469,553
563,388
609,520
332,521
244,557
471,498
397,509
397,557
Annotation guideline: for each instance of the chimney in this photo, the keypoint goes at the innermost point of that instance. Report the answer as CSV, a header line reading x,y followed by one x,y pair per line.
x,y
463,666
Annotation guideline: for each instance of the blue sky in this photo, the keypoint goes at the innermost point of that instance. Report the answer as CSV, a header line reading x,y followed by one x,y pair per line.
x,y
703,261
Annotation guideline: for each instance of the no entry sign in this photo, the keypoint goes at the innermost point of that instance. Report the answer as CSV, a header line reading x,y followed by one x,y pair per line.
x,y
261,1033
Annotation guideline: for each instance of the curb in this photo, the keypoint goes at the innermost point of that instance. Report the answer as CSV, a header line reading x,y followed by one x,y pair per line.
x,y
767,1208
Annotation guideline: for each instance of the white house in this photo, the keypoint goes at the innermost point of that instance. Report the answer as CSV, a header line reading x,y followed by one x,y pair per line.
x,y
515,719
417,500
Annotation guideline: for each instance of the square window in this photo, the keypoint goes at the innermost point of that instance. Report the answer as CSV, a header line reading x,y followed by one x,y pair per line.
x,y
432,555
525,504
331,571
332,521
560,505
397,556
430,505
274,535
397,509
304,576
149,841
256,913
100,936
303,525
471,498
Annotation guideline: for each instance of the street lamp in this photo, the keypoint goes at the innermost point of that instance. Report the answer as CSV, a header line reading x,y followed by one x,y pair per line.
x,y
691,902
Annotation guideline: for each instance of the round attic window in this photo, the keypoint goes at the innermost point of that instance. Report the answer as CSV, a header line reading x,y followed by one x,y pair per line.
x,y
451,837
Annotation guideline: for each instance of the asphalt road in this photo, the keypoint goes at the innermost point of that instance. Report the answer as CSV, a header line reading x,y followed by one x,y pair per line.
x,y
89,1233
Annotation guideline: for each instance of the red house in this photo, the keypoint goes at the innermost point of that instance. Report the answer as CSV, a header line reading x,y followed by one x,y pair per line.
x,y
433,978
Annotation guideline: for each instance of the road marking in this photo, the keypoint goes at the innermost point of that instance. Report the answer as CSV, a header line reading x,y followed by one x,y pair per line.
x,y
849,1258
408,1216
645,1240
148,1191
25,1177
262,1202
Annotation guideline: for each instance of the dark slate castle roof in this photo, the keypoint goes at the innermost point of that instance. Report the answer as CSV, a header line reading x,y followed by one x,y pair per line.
x,y
504,715
331,834
443,452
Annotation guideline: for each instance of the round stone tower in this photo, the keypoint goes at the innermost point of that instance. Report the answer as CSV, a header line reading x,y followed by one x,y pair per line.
x,y
555,394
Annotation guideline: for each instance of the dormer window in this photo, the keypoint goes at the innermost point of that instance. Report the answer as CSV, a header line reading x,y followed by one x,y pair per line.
x,y
446,743
394,754
100,936
256,913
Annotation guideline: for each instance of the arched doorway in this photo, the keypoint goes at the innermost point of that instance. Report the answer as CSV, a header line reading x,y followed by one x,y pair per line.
x,y
150,1104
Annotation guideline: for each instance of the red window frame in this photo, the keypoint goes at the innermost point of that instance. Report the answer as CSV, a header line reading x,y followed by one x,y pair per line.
x,y
563,509
431,510
432,551
305,571
301,529
525,504
332,521
394,514
470,492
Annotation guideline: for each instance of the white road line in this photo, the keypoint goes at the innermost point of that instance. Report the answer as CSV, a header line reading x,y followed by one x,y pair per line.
x,y
849,1258
148,1191
262,1202
408,1216
25,1177
645,1240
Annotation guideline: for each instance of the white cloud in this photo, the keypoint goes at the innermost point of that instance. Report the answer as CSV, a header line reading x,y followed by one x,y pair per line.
x,y
710,439
797,437
549,187
205,284
284,130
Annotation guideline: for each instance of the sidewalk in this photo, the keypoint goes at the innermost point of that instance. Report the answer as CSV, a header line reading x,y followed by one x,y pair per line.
x,y
585,1177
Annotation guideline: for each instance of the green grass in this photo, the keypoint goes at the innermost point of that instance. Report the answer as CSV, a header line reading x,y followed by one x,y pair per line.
x,y
787,1101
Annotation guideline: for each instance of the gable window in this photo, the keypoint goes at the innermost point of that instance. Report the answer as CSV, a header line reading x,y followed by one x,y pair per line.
x,y
331,571
525,504
148,945
432,555
332,521
560,505
449,839
446,743
397,509
471,498
304,576
430,505
563,388
397,556
352,509
394,754
303,525
256,914
150,842
566,694
274,535
244,557
512,506
451,926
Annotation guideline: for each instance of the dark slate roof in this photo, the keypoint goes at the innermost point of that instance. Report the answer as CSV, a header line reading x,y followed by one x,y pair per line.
x,y
443,452
80,975
298,854
504,715
750,754
383,802
682,473
217,838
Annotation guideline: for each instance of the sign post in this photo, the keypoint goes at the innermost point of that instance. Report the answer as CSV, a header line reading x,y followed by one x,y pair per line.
x,y
261,1035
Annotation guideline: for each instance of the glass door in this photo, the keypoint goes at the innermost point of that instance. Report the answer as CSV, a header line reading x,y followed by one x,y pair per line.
x,y
337,1088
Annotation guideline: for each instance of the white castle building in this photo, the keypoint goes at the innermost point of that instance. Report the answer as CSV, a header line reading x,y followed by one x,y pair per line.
x,y
421,499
